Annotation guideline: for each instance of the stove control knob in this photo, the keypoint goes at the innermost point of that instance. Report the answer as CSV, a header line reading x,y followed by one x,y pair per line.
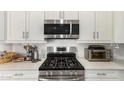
x,y
47,73
75,73
50,73
71,73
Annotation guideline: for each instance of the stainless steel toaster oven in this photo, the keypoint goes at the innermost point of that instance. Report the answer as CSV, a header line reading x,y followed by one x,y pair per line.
x,y
98,54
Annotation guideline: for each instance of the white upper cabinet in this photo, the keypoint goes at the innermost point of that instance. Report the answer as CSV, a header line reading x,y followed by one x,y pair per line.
x,y
2,14
87,26
35,26
52,15
96,27
118,26
25,26
57,15
104,26
16,26
71,15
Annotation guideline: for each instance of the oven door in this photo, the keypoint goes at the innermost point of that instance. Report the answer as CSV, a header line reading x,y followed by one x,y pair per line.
x,y
98,55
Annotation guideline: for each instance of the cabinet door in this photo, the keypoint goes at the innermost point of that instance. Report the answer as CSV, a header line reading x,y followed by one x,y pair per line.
x,y
118,26
16,26
52,15
121,75
19,75
104,26
87,25
71,15
1,25
107,75
35,26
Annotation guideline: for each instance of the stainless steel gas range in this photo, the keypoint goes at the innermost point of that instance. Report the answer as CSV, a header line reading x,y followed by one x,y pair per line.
x,y
61,65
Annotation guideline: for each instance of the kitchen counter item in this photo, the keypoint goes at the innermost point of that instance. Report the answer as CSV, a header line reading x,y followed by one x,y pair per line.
x,y
28,49
35,54
98,53
9,56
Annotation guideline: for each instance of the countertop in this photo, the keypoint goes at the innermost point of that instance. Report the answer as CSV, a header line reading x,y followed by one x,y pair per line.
x,y
115,64
27,65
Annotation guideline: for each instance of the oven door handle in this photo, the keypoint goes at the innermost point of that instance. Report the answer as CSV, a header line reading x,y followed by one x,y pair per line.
x,y
73,78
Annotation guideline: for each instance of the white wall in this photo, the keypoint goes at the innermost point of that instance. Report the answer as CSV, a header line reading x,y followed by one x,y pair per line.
x,y
119,52
43,47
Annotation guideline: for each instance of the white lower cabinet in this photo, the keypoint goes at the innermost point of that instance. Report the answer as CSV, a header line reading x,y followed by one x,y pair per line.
x,y
121,74
102,75
19,75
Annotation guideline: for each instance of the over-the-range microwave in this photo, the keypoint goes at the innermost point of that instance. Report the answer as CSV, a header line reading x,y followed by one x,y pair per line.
x,y
54,29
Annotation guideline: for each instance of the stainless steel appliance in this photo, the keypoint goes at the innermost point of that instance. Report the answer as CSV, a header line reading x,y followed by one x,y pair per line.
x,y
69,29
28,49
31,53
35,54
61,65
98,53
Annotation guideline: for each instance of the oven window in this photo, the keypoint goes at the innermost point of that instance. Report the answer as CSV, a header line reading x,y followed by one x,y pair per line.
x,y
98,55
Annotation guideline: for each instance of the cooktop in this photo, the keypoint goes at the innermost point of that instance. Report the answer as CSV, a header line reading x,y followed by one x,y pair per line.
x,y
61,61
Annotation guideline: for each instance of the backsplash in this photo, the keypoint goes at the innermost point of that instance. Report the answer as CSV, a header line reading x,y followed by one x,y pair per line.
x,y
7,47
118,53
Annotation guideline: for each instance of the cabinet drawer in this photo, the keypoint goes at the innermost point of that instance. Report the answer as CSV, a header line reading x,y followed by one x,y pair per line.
x,y
102,75
18,75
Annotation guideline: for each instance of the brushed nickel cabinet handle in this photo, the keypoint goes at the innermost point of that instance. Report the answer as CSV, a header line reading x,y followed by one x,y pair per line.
x,y
97,35
23,35
101,74
93,35
19,74
27,35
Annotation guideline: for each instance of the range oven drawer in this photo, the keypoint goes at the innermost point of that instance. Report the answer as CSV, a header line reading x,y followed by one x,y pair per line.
x,y
61,75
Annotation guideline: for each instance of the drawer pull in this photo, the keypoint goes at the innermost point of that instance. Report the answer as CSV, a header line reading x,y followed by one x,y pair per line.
x,y
102,74
21,74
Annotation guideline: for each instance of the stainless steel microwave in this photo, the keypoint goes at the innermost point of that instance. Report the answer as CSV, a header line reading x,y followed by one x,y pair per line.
x,y
54,29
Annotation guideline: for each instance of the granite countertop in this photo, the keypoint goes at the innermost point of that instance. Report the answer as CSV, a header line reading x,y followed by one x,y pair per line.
x,y
115,64
27,65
